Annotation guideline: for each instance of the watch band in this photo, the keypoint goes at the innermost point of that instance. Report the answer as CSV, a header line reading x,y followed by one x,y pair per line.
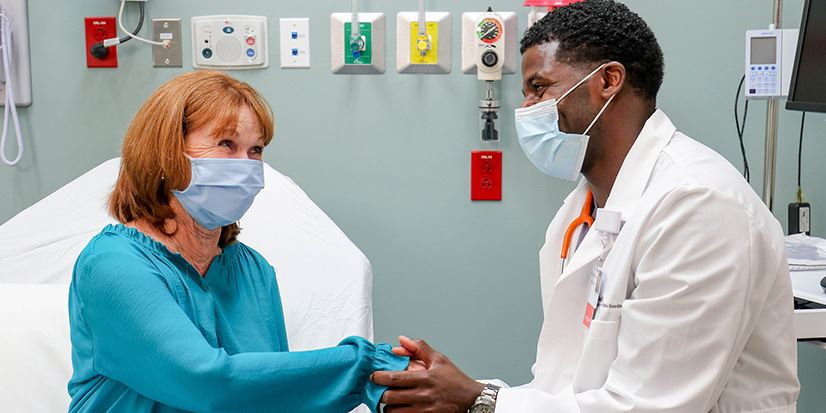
x,y
487,398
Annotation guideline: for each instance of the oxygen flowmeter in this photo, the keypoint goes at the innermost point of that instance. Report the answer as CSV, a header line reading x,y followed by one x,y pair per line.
x,y
490,57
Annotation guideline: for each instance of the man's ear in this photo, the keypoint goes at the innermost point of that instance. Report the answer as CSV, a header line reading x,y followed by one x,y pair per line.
x,y
612,79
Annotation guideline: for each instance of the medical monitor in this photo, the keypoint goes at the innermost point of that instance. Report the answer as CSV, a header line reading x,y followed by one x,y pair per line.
x,y
808,88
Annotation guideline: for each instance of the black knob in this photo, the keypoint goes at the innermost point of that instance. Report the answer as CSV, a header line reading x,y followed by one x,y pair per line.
x,y
490,58
207,53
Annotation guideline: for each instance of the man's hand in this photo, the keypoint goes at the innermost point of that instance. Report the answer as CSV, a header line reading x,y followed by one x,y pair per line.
x,y
441,387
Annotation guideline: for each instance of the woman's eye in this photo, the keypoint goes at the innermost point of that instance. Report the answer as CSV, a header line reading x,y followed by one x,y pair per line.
x,y
226,143
258,150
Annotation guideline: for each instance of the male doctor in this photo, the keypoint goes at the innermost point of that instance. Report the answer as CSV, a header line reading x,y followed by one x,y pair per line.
x,y
664,279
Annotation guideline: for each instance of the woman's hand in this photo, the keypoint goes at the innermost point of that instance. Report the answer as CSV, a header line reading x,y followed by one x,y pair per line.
x,y
432,383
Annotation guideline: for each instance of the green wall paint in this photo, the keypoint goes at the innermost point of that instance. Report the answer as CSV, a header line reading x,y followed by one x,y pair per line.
x,y
387,156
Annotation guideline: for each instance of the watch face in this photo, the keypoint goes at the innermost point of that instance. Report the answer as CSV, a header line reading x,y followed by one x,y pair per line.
x,y
482,408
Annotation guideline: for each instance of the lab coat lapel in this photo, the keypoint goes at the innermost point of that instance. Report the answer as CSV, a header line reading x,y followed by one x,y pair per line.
x,y
628,187
636,170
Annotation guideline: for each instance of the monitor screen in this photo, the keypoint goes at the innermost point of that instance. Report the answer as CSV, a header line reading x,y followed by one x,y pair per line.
x,y
808,88
763,50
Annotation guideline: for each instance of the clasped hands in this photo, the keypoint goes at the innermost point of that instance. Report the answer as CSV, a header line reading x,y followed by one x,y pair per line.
x,y
431,383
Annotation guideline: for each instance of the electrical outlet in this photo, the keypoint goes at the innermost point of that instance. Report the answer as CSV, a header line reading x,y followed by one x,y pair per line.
x,y
99,29
171,54
486,176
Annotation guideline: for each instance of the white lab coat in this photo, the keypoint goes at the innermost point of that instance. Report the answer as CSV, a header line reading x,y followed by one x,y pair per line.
x,y
696,311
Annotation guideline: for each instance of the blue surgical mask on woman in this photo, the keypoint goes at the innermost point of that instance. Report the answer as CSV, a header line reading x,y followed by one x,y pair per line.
x,y
555,153
221,190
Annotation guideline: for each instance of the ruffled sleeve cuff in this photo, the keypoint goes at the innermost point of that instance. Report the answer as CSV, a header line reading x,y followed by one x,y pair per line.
x,y
382,359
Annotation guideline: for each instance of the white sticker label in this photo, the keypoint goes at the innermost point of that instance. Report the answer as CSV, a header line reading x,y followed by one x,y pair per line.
x,y
166,36
803,219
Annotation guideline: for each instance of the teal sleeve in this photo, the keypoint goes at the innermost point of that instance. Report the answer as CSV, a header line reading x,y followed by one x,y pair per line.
x,y
142,338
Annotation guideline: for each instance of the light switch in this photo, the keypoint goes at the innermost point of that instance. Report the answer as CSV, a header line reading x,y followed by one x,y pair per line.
x,y
295,43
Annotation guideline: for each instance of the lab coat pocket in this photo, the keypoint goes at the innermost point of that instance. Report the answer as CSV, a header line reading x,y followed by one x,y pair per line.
x,y
598,353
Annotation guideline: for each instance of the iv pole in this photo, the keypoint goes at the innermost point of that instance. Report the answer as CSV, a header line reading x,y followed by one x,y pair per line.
x,y
771,129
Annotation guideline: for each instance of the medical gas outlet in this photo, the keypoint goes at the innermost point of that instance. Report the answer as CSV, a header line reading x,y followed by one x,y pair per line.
x,y
424,49
506,46
490,32
357,43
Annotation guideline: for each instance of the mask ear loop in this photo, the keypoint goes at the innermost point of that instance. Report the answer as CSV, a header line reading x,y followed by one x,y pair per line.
x,y
605,106
580,82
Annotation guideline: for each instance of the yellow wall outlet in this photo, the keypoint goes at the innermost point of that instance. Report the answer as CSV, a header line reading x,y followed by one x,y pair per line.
x,y
429,53
424,50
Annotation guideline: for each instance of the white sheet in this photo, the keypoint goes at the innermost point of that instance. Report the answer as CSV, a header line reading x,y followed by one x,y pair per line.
x,y
325,280
35,352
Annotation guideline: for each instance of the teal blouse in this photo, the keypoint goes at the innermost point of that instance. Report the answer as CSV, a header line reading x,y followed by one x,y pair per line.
x,y
149,334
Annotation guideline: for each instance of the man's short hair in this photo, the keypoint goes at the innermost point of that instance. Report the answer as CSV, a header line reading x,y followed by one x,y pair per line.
x,y
597,31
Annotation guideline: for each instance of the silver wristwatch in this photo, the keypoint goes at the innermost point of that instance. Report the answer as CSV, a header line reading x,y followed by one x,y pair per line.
x,y
486,402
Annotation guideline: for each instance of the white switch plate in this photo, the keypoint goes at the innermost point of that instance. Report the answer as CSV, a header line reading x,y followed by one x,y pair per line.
x,y
295,42
21,71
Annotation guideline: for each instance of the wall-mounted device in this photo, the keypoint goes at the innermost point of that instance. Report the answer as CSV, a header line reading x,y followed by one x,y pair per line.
x,y
295,42
470,40
229,42
15,77
769,60
357,48
16,21
423,48
491,47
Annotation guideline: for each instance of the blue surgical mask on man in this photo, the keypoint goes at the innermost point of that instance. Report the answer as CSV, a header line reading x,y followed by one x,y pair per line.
x,y
221,190
555,153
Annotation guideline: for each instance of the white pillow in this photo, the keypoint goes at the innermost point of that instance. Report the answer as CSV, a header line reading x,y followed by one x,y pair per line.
x,y
35,360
